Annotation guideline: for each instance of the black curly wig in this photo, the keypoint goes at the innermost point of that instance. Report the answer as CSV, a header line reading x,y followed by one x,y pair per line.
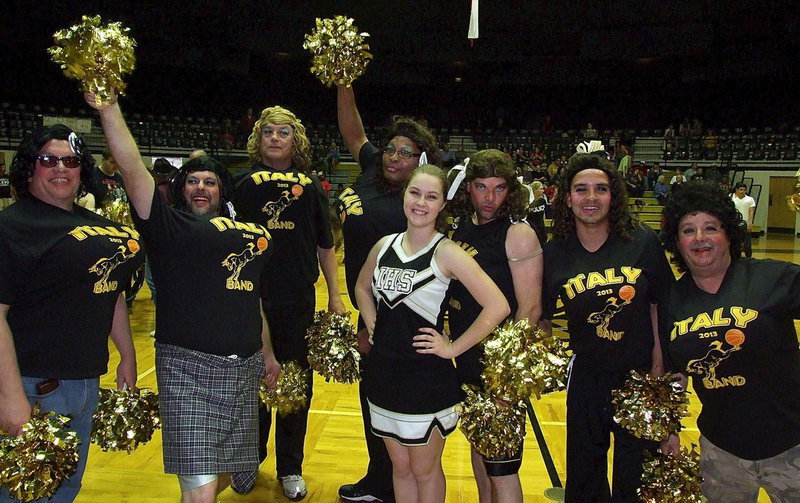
x,y
416,132
702,197
24,162
202,163
488,164
620,222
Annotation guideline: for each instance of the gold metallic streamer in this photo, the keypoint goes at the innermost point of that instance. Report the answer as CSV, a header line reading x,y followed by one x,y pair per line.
x,y
333,347
125,419
650,407
34,464
97,55
672,478
289,395
339,53
520,361
492,429
116,210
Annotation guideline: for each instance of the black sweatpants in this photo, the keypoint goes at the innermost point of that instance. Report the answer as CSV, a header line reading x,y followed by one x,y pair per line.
x,y
288,324
590,424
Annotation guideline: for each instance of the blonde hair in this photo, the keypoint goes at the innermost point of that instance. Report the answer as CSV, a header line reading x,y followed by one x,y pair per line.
x,y
536,185
301,156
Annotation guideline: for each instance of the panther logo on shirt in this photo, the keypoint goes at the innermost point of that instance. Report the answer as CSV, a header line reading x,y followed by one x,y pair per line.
x,y
105,266
236,261
612,307
706,365
273,209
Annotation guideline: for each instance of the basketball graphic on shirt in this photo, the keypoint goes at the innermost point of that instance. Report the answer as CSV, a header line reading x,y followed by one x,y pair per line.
x,y
261,244
734,337
297,190
627,292
133,245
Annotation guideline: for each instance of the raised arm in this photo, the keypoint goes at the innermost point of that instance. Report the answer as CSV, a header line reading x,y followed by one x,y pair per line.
x,y
525,260
139,185
15,410
350,126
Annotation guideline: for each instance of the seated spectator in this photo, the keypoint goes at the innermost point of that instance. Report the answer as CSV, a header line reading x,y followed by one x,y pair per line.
x,y
661,189
678,179
652,175
448,157
325,183
634,183
590,132
691,171
699,176
332,159
226,139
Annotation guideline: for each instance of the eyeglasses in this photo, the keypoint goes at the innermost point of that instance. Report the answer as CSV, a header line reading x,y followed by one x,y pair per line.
x,y
403,152
51,161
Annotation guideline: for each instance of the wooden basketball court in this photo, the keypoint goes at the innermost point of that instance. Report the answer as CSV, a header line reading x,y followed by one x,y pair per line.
x,y
335,451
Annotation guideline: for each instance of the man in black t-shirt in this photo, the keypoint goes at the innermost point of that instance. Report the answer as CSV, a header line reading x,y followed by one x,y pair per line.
x,y
370,209
5,187
609,275
279,193
212,341
106,183
63,270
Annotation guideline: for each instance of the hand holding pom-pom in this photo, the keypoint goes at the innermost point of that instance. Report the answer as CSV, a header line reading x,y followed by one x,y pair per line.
x,y
97,55
125,419
289,395
34,464
333,347
671,478
492,429
650,407
339,52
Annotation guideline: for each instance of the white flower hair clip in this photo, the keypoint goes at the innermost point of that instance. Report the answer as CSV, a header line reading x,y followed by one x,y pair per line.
x,y
423,159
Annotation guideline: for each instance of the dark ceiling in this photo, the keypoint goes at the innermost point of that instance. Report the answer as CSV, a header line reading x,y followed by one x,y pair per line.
x,y
547,55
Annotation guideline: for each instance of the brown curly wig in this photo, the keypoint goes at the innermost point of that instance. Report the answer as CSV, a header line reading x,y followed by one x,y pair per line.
x,y
488,164
422,138
702,197
619,219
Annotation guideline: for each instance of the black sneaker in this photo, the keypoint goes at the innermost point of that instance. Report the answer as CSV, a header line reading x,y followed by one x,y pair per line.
x,y
354,492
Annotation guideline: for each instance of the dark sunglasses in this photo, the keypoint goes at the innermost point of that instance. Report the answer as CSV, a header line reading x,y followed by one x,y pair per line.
x,y
51,161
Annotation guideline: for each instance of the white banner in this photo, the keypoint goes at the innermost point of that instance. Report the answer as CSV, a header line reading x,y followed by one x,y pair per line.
x,y
74,123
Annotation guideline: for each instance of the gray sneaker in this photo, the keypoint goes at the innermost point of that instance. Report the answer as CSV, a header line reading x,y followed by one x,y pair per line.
x,y
294,487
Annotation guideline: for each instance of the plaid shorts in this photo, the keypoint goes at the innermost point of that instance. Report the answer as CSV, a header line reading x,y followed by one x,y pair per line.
x,y
208,410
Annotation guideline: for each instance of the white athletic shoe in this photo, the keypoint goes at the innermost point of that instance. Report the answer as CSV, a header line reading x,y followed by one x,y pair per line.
x,y
294,487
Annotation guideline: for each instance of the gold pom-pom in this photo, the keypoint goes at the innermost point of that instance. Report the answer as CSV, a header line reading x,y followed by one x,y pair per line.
x,y
339,53
672,479
520,361
289,395
117,210
650,407
34,464
491,428
97,55
333,347
125,419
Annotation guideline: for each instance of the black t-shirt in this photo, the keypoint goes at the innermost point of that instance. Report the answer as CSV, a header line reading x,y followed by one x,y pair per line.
x,y
5,187
740,347
61,274
208,272
487,245
294,207
536,218
367,214
607,296
101,185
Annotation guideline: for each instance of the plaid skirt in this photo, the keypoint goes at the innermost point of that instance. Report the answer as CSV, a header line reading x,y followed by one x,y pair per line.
x,y
208,411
